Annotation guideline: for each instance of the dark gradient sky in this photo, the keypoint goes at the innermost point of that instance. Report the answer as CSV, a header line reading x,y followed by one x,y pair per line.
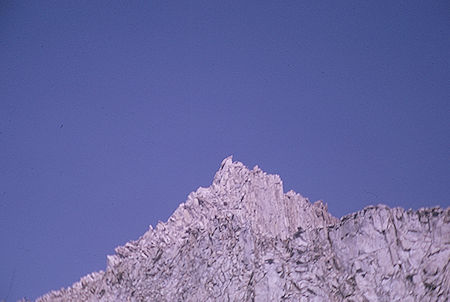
x,y
112,112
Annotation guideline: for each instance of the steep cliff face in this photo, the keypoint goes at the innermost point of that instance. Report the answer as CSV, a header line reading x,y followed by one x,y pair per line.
x,y
243,239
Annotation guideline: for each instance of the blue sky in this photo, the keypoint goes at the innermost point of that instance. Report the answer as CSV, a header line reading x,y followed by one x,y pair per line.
x,y
111,113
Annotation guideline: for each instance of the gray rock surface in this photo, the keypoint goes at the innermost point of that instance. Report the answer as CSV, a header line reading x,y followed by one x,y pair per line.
x,y
243,239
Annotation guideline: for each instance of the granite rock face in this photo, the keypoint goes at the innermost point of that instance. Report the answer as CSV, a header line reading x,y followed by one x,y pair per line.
x,y
243,239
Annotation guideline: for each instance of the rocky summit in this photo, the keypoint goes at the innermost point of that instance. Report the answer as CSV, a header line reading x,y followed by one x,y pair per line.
x,y
244,239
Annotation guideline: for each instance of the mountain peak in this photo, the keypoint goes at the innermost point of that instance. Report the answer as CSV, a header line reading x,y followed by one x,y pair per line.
x,y
259,198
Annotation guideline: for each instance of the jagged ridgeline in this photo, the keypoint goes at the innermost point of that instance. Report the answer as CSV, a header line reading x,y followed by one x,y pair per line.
x,y
244,239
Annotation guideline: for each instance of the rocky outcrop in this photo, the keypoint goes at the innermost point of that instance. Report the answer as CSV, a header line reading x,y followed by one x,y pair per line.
x,y
244,239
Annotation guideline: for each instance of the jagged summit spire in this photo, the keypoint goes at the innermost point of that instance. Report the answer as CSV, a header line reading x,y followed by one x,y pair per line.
x,y
227,161
259,197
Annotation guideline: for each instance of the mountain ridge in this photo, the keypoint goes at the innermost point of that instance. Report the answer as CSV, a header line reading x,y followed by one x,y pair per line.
x,y
243,238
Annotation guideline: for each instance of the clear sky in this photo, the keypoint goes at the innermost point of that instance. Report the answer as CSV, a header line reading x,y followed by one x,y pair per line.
x,y
112,112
